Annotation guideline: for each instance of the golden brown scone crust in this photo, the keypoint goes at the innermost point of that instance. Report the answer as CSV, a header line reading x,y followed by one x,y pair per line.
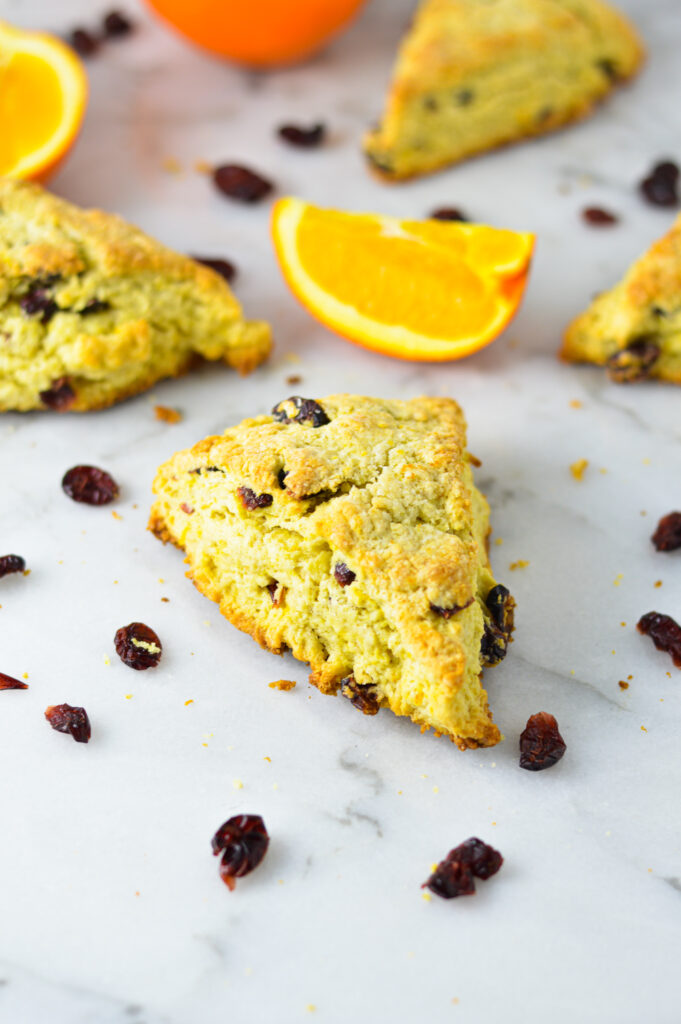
x,y
472,75
385,489
90,300
635,328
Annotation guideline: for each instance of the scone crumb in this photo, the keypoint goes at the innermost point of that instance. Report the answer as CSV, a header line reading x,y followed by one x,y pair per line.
x,y
622,623
282,684
657,583
622,685
643,729
267,759
426,896
618,579
294,378
575,403
498,541
187,702
171,165
238,784
107,659
520,564
166,414
165,599
577,468
310,1007
116,515
203,167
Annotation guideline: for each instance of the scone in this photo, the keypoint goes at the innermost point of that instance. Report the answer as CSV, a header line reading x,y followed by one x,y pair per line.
x,y
350,531
474,74
634,330
92,310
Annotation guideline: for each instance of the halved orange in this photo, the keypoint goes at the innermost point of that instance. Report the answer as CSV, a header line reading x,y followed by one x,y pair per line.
x,y
43,94
432,290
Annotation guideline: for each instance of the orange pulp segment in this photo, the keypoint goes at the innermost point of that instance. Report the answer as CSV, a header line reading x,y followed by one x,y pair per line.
x,y
43,93
431,290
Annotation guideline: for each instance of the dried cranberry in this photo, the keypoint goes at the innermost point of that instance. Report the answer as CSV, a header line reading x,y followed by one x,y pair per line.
x,y
240,183
250,500
541,744
609,68
83,42
660,187
361,696
116,24
281,478
633,363
305,138
451,878
74,721
501,605
300,410
344,576
448,213
38,301
446,613
94,306
243,842
598,217
90,485
222,267
11,563
59,396
665,633
667,536
483,860
493,646
10,683
138,646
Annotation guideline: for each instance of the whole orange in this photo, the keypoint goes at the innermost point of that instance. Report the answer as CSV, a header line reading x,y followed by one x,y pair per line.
x,y
260,33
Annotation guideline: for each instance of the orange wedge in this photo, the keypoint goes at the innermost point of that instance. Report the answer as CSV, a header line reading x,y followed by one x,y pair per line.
x,y
43,94
432,290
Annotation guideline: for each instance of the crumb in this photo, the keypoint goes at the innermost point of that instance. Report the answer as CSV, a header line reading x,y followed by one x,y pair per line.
x,y
646,462
668,674
238,784
657,583
166,414
622,685
204,744
425,896
107,659
291,357
575,403
618,579
455,1000
282,684
643,512
493,823
166,599
294,378
499,540
613,652
572,671
24,675
116,515
474,460
310,1007
191,701
203,167
128,696
137,892
26,572
436,789
622,623
171,165
267,759
604,471
577,468
161,580
399,793
643,729
520,564
275,785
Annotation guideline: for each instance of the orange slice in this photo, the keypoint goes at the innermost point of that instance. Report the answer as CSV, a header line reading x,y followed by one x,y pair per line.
x,y
43,94
431,290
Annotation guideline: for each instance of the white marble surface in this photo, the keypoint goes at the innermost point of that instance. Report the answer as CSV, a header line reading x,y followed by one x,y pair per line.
x,y
111,908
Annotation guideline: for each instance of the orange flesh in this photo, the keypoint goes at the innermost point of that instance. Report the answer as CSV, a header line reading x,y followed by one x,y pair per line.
x,y
31,107
448,288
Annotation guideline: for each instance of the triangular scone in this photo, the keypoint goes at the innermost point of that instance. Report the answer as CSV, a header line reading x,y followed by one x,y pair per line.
x,y
474,74
635,328
350,531
92,310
